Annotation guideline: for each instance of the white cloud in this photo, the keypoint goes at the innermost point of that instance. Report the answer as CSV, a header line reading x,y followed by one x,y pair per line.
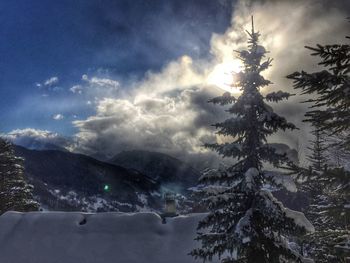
x,y
58,117
49,85
78,89
51,81
93,89
167,110
101,82
29,132
162,114
37,139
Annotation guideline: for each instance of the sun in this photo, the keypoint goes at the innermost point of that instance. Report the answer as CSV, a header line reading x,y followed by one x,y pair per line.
x,y
222,77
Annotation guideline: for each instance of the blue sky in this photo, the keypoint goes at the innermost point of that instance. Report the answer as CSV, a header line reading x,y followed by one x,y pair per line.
x,y
112,38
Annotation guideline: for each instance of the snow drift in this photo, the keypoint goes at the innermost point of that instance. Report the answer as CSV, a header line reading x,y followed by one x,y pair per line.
x,y
58,237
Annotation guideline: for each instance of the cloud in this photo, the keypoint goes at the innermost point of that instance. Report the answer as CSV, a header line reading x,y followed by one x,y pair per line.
x,y
49,85
167,110
165,113
38,139
51,81
104,83
77,89
58,117
93,89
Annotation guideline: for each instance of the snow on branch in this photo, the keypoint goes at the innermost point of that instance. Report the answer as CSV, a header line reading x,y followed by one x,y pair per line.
x,y
298,218
225,99
265,64
282,180
277,96
244,225
250,177
227,149
274,122
222,174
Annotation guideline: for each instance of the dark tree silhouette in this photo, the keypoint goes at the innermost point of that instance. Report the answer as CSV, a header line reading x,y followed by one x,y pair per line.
x,y
246,223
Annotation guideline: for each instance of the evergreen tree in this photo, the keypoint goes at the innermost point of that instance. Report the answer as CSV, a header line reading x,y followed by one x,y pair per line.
x,y
246,223
328,190
337,155
330,107
15,193
329,212
318,148
330,113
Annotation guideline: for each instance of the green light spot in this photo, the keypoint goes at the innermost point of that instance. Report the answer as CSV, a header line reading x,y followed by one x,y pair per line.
x,y
106,187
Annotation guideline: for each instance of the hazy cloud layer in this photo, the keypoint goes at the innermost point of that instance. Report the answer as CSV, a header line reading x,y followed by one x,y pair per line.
x,y
37,139
167,110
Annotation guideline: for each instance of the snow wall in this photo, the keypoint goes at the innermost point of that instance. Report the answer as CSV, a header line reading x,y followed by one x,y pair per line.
x,y
60,237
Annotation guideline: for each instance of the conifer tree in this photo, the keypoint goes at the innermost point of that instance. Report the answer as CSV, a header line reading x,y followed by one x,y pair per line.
x,y
246,223
329,113
328,191
318,149
329,212
15,192
330,106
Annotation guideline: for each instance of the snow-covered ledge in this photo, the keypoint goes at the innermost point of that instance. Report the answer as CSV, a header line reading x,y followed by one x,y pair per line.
x,y
60,237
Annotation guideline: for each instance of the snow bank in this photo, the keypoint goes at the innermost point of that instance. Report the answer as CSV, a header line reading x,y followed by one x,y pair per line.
x,y
58,237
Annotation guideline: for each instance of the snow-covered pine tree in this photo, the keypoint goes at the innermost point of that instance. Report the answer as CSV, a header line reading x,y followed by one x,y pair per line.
x,y
330,107
246,223
329,194
329,212
15,192
338,155
328,190
314,181
330,112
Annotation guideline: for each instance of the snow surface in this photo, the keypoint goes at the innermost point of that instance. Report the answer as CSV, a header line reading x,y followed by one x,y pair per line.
x,y
61,237
285,181
300,219
250,175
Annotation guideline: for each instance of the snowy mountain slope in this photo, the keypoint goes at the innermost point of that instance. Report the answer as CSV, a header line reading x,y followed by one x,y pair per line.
x,y
66,181
74,182
96,238
164,169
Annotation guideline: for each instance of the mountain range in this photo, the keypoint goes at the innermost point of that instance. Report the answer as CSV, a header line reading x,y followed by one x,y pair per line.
x,y
68,181
130,181
170,172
